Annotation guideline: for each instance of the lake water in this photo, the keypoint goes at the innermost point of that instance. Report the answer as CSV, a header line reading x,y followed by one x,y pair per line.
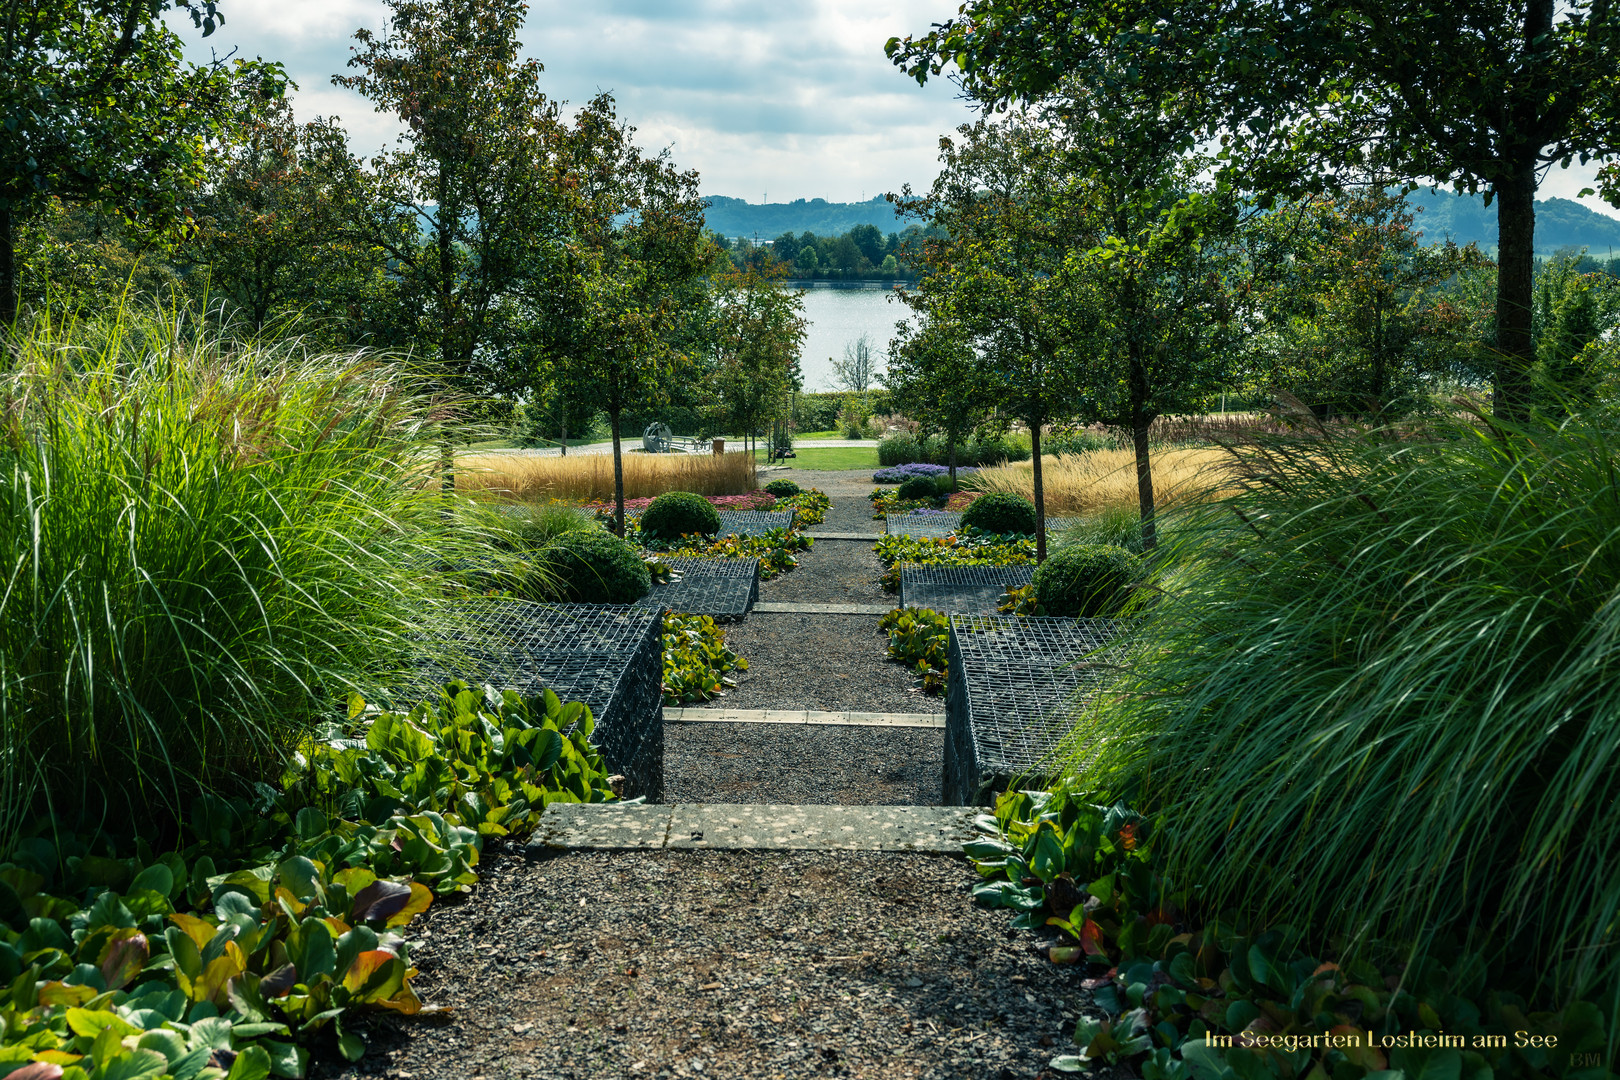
x,y
837,318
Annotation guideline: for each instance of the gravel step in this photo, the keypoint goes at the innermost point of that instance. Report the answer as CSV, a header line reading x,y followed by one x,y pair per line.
x,y
870,538
746,827
803,716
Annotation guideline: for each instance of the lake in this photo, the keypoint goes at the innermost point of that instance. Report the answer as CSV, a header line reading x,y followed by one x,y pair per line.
x,y
837,318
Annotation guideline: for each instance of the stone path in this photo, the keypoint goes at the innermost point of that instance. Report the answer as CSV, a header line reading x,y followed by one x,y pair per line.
x,y
803,716
751,826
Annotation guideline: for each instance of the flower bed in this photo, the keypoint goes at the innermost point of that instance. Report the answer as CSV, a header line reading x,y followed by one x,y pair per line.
x,y
956,550
811,505
225,957
1188,993
696,660
899,474
775,549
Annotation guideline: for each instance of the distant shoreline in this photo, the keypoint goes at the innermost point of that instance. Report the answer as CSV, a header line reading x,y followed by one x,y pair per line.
x,y
817,283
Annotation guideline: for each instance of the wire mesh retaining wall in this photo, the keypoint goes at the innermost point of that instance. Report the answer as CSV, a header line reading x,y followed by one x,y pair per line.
x,y
1011,688
610,658
947,522
942,524
743,522
723,589
967,589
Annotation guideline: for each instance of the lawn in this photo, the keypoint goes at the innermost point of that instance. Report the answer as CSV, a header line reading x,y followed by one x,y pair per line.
x,y
835,457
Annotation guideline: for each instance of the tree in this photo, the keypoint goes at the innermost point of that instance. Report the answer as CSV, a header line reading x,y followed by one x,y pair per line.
x,y
97,108
1479,94
756,330
858,367
275,225
1354,316
630,264
458,206
937,381
998,268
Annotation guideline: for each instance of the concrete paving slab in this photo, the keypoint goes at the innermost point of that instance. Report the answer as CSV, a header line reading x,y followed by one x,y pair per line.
x,y
820,609
733,827
870,538
794,716
605,826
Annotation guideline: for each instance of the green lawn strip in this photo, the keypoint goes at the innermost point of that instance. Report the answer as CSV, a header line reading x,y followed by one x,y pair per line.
x,y
834,458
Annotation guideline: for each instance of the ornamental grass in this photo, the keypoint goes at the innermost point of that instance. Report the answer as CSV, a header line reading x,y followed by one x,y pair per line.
x,y
1378,698
1080,484
205,546
588,478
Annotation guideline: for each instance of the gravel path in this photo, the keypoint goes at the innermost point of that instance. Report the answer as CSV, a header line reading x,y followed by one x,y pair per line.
x,y
832,482
828,662
831,572
782,763
726,964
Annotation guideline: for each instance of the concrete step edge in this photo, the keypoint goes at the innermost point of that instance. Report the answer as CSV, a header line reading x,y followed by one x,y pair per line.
x,y
933,830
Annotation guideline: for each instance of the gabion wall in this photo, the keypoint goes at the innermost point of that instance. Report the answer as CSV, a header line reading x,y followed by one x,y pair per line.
x,y
972,590
610,658
1012,686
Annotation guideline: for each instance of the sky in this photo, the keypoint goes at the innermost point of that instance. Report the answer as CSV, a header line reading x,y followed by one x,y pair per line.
x,y
766,99
769,100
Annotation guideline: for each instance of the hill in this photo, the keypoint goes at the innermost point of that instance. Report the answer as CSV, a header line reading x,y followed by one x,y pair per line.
x,y
1560,223
737,217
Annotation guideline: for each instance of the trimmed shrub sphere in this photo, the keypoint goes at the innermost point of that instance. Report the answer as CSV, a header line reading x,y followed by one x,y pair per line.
x,y
676,513
918,487
783,489
592,566
1090,580
1000,512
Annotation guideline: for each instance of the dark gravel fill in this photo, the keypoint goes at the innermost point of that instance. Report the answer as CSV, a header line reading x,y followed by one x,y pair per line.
x,y
831,572
592,965
781,763
849,514
829,662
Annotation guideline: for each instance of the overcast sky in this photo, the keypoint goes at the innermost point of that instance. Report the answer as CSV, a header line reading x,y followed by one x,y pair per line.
x,y
784,99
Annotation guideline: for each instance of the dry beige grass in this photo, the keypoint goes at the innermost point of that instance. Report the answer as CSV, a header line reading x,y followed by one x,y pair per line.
x,y
1080,484
589,477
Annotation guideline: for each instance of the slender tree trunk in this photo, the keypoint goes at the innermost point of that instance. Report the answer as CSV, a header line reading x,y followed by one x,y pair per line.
x,y
951,437
1515,287
9,300
1040,492
1144,480
565,431
618,476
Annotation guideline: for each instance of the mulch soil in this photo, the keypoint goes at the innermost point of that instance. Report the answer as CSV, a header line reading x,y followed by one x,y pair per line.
x,y
750,965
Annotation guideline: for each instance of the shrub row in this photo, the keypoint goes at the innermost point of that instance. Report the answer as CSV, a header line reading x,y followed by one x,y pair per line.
x,y
901,447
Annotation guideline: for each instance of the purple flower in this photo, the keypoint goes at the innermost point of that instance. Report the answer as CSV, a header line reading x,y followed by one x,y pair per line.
x,y
899,474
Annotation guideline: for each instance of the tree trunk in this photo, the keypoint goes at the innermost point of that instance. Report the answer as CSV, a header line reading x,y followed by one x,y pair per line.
x,y
951,438
565,431
9,300
1144,479
1515,288
1040,492
618,476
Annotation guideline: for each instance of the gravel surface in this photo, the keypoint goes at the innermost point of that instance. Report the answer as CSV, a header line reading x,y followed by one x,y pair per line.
x,y
831,572
812,763
831,482
830,662
750,965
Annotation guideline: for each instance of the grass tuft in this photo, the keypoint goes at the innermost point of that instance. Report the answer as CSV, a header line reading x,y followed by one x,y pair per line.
x,y
589,477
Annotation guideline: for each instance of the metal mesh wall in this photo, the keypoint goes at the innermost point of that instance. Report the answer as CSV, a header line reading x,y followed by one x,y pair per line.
x,y
922,524
972,590
610,658
721,588
1011,688
943,524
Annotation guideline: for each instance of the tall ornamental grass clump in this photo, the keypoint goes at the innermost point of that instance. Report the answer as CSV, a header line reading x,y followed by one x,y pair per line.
x,y
203,547
1381,696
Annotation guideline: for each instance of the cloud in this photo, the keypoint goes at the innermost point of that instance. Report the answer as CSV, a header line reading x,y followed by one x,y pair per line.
x,y
793,98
